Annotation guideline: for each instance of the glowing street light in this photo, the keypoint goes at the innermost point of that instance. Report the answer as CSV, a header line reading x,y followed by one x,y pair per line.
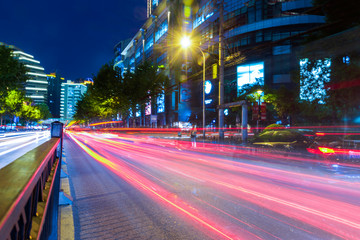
x,y
186,43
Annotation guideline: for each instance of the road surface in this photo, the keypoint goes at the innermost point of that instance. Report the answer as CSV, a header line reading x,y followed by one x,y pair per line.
x,y
15,144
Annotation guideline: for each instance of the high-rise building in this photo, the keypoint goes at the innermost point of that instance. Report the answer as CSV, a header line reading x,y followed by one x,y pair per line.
x,y
71,93
54,96
259,41
36,85
118,61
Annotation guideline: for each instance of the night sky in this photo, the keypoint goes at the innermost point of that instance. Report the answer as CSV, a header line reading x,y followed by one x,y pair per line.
x,y
73,37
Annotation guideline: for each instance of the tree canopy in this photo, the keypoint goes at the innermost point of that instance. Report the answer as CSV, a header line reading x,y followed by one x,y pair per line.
x,y
12,72
114,93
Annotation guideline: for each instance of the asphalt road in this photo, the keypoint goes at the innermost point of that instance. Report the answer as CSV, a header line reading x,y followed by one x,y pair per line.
x,y
15,144
136,187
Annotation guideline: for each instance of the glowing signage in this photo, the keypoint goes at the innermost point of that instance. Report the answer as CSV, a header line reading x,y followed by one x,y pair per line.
x,y
148,108
161,103
163,28
208,101
208,87
250,74
198,21
313,76
138,112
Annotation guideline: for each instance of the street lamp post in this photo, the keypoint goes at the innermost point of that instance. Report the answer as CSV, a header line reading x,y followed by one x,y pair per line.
x,y
185,43
259,111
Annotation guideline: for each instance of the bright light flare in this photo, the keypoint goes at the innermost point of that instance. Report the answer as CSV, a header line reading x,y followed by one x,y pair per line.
x,y
185,42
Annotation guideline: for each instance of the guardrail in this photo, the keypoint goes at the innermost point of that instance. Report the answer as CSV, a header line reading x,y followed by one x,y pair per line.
x,y
29,196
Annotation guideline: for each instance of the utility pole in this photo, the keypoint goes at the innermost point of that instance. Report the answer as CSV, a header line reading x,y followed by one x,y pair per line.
x,y
221,71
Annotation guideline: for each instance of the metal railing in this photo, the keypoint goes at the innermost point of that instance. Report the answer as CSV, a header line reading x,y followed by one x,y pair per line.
x,y
29,194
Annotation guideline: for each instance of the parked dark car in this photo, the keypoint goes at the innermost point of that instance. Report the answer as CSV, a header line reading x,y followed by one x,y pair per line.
x,y
290,140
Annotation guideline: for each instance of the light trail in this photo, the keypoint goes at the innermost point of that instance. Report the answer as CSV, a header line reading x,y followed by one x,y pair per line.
x,y
20,140
142,183
302,197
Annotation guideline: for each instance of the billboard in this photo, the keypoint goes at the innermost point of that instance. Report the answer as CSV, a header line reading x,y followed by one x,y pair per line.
x,y
314,74
250,74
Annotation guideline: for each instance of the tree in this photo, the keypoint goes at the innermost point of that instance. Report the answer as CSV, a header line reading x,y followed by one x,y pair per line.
x,y
113,93
11,103
29,112
12,77
145,83
12,72
344,87
44,111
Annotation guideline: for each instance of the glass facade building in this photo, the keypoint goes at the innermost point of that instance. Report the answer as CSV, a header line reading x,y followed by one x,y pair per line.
x,y
36,85
54,89
260,39
71,93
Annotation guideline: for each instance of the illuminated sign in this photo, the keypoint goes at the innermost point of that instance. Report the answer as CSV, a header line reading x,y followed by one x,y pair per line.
x,y
226,112
148,108
208,101
208,87
250,74
163,28
138,112
161,103
313,76
214,68
198,21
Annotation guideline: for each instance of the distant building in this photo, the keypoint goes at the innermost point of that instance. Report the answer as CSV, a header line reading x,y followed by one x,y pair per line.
x,y
36,86
71,93
54,96
118,61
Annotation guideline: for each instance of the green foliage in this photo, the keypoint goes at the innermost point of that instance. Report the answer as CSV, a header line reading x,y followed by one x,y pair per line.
x,y
29,112
11,102
343,89
44,111
113,93
283,100
12,72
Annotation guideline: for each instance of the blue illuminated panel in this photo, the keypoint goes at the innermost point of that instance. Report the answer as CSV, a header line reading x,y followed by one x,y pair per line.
x,y
163,28
161,103
312,82
250,74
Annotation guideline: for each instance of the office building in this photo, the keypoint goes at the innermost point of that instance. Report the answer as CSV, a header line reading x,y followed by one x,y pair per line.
x,y
71,93
36,85
259,41
54,96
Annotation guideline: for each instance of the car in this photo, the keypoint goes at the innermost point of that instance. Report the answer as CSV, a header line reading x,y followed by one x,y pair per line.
x,y
335,147
290,140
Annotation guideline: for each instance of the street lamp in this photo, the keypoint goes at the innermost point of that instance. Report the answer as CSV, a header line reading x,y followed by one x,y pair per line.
x,y
186,43
259,113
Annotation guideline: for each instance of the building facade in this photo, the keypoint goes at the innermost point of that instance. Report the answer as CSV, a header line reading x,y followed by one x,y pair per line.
x,y
71,93
54,94
36,85
259,38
